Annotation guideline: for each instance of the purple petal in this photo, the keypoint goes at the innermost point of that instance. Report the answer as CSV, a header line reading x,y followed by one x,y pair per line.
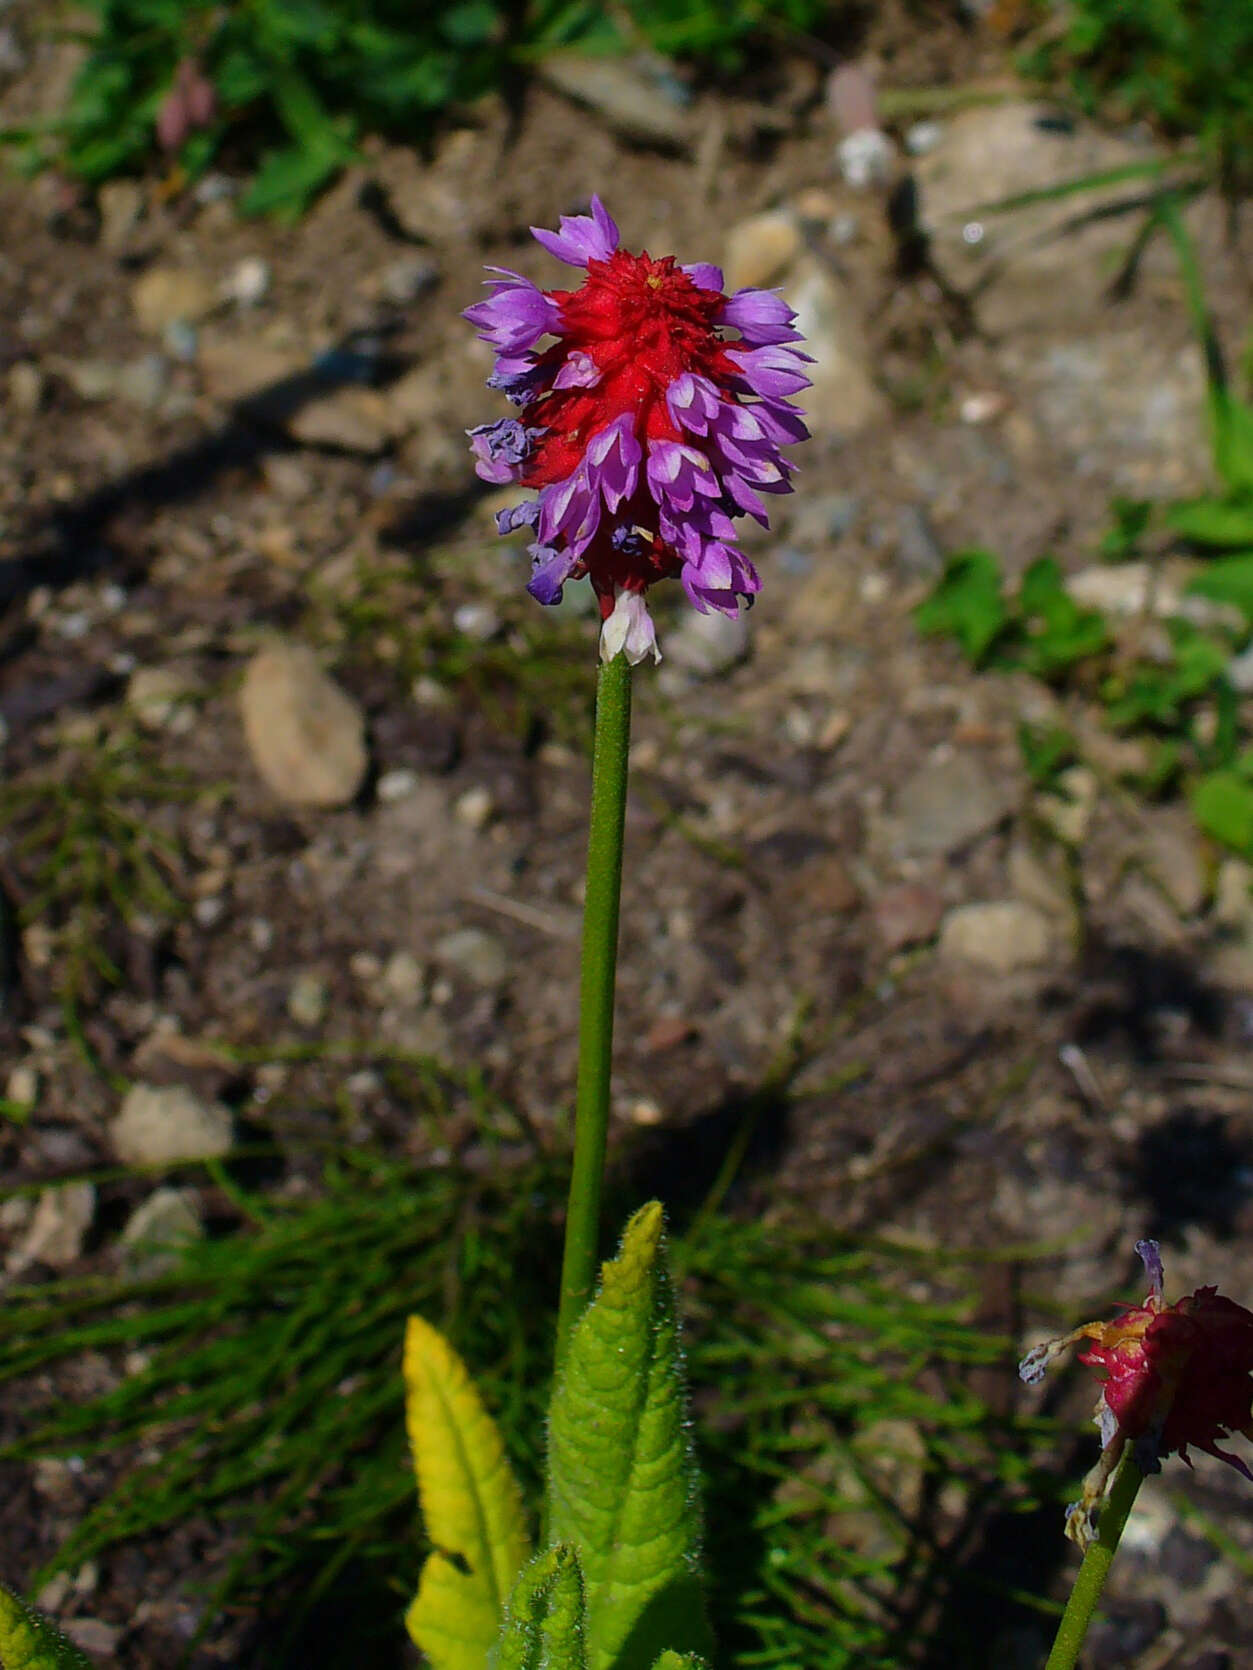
x,y
518,378
678,473
613,458
499,448
772,372
580,371
524,515
704,275
747,500
581,238
783,423
569,511
515,315
693,402
761,317
549,572
1151,1254
630,541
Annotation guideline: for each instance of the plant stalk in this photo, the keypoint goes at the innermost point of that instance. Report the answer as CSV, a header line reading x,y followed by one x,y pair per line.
x,y
596,993
1095,1568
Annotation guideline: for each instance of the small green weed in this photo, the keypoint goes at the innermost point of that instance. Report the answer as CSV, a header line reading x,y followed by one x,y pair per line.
x,y
532,675
290,87
1171,687
1185,65
84,850
1179,699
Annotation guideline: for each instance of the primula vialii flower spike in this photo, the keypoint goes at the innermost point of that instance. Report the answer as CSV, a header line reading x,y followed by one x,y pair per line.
x,y
651,421
1172,1376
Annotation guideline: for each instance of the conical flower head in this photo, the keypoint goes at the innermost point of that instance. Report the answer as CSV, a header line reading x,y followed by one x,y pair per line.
x,y
652,422
1171,1376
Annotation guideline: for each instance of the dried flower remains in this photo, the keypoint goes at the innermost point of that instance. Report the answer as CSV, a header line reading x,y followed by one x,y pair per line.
x,y
1173,1376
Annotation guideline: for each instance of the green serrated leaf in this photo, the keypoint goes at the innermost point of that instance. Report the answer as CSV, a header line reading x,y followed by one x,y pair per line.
x,y
287,180
1222,804
29,1642
545,1623
621,1477
680,1661
1212,523
471,1506
966,604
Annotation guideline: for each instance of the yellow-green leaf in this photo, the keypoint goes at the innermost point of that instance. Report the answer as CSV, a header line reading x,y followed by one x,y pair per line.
x,y
470,1502
29,1642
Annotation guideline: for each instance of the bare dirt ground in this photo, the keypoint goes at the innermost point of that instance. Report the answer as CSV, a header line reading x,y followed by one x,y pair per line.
x,y
188,474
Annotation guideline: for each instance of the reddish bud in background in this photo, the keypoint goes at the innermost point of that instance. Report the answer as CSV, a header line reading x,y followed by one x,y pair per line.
x,y
191,103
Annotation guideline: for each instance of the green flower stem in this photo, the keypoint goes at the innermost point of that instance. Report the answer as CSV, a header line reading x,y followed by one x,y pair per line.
x,y
1095,1568
600,957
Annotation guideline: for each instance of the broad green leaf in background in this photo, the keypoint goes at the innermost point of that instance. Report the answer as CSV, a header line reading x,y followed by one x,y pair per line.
x,y
1222,804
1131,518
621,1477
29,1642
544,1626
967,603
1061,632
1213,523
1233,440
1228,580
471,1506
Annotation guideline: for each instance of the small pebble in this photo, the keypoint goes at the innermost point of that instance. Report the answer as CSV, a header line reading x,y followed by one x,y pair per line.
x,y
396,785
308,1000
474,808
249,282
477,620
22,1085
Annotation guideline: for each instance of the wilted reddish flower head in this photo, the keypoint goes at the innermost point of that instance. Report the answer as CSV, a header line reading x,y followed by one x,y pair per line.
x,y
652,421
1172,1376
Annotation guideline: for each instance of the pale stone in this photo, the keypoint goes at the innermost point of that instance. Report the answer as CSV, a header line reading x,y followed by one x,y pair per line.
x,y
1000,936
58,1229
153,694
474,953
163,295
159,1228
165,1124
760,250
632,102
346,420
843,400
950,803
308,1000
1068,811
305,735
1173,858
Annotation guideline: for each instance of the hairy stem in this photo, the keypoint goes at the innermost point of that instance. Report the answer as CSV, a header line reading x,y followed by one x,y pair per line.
x,y
1095,1568
596,993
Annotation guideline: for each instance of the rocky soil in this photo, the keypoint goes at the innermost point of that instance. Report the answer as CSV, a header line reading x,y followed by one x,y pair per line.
x,y
256,616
